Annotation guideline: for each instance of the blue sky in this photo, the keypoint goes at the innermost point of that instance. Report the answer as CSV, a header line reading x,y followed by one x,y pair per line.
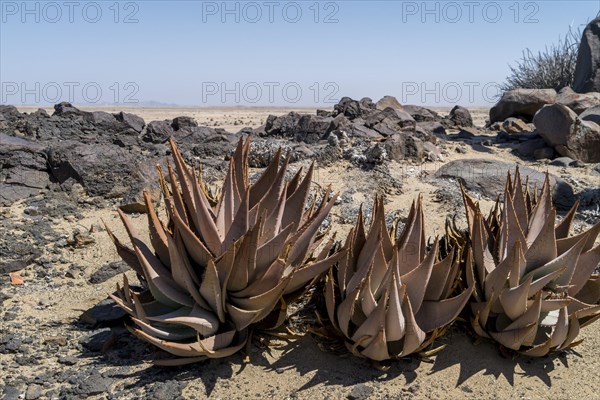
x,y
281,53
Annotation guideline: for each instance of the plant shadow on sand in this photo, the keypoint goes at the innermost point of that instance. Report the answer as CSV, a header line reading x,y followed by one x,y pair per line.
x,y
304,357
486,356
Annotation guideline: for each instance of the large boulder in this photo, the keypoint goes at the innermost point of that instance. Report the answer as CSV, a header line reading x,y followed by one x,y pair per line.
x,y
587,69
578,102
591,114
402,146
523,103
421,114
488,177
23,169
353,108
461,117
102,169
313,128
390,121
554,123
132,121
285,125
570,136
184,123
388,101
158,132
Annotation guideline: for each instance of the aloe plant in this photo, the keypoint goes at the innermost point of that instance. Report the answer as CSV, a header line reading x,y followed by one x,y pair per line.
x,y
389,298
221,265
535,285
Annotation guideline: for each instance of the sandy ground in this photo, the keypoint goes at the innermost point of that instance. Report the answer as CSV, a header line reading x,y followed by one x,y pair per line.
x,y
299,369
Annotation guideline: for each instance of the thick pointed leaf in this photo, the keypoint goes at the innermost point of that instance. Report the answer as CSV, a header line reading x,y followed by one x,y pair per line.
x,y
211,291
416,280
438,314
439,277
199,253
514,300
586,265
377,349
158,237
296,201
373,324
204,322
543,247
305,274
414,335
563,228
395,323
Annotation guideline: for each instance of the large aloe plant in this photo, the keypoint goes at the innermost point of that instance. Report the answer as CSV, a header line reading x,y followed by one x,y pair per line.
x,y
219,266
389,298
535,285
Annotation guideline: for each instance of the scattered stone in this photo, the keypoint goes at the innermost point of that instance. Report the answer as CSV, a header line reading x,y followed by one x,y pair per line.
x,y
96,340
93,385
523,103
168,390
360,391
108,271
587,68
33,392
67,360
105,313
514,125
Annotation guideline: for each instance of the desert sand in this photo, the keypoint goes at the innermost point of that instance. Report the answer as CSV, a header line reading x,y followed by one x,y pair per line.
x,y
288,369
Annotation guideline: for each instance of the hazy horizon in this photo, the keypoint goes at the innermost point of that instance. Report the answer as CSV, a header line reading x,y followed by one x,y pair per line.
x,y
270,54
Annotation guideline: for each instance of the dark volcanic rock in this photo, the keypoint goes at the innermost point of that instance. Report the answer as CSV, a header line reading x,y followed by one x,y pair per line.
x,y
421,114
102,169
184,123
461,117
107,271
285,125
313,128
158,132
587,69
402,146
132,121
105,313
354,109
388,101
67,109
390,121
488,177
23,169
